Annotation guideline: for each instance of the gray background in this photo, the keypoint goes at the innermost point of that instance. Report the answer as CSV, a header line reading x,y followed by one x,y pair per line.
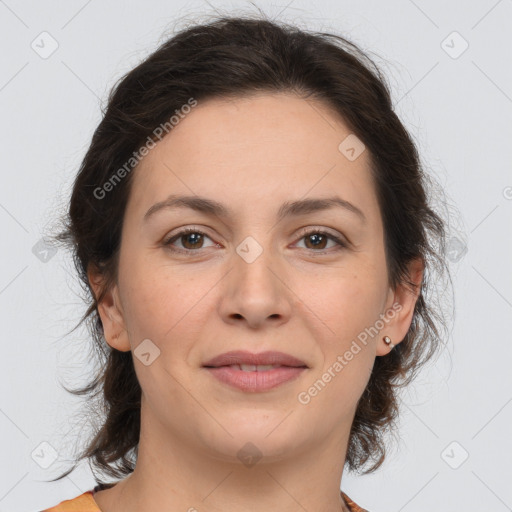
x,y
457,105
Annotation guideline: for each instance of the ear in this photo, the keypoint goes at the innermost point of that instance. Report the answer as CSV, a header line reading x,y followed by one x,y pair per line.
x,y
110,311
402,301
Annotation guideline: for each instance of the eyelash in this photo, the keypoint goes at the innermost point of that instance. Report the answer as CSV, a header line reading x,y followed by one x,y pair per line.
x,y
167,243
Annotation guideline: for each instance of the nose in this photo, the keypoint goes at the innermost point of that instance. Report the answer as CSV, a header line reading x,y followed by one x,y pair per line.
x,y
255,292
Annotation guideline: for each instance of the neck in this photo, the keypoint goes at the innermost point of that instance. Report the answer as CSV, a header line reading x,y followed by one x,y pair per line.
x,y
175,473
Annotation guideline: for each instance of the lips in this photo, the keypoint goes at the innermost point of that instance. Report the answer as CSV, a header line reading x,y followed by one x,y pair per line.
x,y
249,381
241,357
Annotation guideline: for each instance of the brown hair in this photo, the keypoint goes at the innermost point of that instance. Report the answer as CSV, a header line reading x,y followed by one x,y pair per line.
x,y
234,56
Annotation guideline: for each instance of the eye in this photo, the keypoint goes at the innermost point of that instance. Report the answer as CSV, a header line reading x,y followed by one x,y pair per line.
x,y
191,238
317,239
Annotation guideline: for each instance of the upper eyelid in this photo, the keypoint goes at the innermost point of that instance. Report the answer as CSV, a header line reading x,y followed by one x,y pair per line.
x,y
302,232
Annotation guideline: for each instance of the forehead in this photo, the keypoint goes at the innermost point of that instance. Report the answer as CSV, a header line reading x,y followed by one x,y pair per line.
x,y
254,149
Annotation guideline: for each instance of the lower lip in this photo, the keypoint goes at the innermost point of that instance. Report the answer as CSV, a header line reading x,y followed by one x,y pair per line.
x,y
255,381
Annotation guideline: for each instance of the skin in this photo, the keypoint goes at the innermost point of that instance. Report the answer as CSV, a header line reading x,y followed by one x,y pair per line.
x,y
251,154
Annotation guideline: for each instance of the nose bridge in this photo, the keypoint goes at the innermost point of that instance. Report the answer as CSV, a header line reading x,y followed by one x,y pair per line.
x,y
255,289
254,263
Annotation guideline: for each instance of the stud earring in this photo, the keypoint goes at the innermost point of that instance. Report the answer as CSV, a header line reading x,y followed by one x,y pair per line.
x,y
387,341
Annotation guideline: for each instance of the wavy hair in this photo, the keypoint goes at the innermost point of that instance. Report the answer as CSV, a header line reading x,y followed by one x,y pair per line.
x,y
231,56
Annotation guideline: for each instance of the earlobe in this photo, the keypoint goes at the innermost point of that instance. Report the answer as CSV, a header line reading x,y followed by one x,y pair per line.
x,y
401,310
113,323
110,313
388,342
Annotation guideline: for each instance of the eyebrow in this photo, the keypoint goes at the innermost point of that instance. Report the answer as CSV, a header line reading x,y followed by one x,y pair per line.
x,y
287,209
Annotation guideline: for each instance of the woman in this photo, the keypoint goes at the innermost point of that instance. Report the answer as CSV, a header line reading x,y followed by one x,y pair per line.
x,y
251,219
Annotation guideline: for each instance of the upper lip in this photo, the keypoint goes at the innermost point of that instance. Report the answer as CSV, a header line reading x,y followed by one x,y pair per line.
x,y
263,358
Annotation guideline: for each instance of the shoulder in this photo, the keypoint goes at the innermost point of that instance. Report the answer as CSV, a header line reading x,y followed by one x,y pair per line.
x,y
83,503
354,507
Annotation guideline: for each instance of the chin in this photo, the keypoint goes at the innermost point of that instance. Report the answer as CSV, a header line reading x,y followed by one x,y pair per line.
x,y
265,437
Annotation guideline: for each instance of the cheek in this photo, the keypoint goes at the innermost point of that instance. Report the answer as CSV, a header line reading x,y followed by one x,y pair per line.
x,y
346,308
346,303
350,305
148,297
162,304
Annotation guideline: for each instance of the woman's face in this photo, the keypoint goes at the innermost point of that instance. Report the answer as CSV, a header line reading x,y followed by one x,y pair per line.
x,y
254,281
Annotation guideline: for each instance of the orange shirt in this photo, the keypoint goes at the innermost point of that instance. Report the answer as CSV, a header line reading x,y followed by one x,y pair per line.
x,y
85,503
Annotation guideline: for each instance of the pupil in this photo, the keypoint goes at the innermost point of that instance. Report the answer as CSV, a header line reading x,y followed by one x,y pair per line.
x,y
317,239
192,236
